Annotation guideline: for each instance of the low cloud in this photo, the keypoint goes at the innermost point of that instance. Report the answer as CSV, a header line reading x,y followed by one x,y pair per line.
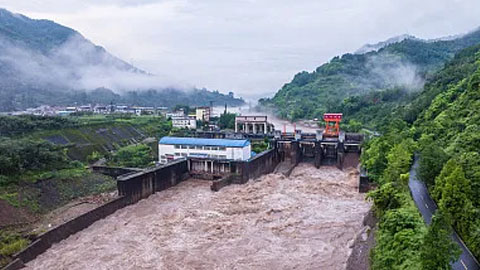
x,y
250,47
394,72
77,64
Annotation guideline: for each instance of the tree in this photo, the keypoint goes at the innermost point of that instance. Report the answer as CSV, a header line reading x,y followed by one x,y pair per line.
x,y
398,240
385,198
431,162
399,159
440,180
353,126
438,249
475,238
133,156
470,162
455,203
374,158
227,121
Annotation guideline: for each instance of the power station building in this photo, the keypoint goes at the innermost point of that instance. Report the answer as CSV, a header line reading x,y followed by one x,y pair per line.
x,y
253,125
173,148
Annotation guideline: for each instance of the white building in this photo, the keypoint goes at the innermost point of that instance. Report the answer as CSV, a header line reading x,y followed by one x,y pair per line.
x,y
172,148
178,113
144,110
203,113
254,124
184,122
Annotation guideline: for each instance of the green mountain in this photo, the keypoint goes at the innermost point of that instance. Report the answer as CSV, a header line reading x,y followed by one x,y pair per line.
x,y
391,74
449,131
441,124
42,62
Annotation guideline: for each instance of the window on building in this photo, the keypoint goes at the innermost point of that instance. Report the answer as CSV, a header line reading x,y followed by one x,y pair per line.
x,y
184,154
184,147
207,148
222,148
222,156
215,148
191,147
177,154
199,147
177,146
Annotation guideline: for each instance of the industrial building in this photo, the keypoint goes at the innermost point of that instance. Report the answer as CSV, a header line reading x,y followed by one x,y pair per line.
x,y
172,148
253,125
203,113
184,122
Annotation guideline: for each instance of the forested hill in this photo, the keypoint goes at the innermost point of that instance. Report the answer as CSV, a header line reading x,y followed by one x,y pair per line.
x,y
400,67
42,62
450,144
442,125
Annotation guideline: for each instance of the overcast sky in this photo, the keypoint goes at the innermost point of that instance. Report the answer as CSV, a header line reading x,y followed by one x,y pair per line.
x,y
251,47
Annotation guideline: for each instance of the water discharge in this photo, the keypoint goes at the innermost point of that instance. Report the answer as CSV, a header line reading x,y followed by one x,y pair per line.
x,y
305,221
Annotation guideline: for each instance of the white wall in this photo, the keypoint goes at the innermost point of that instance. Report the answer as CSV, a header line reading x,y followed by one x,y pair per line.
x,y
247,152
234,153
184,123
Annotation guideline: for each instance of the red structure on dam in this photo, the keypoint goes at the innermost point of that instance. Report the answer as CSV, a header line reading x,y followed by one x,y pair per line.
x,y
332,124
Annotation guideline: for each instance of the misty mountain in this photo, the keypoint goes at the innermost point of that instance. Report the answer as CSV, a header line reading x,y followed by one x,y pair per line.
x,y
377,46
42,62
399,67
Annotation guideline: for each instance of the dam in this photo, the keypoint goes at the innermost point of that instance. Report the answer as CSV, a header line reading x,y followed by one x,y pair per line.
x,y
295,206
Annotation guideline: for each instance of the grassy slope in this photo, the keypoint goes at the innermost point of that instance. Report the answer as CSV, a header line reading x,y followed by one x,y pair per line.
x,y
102,135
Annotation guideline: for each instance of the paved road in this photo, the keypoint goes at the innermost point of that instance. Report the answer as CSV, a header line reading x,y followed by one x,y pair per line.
x,y
427,207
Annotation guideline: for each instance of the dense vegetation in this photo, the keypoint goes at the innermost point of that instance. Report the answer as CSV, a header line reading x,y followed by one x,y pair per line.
x,y
402,232
401,228
441,124
377,81
20,125
227,121
135,156
450,142
27,155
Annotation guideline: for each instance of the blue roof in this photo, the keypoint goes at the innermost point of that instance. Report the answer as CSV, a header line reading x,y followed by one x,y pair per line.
x,y
204,142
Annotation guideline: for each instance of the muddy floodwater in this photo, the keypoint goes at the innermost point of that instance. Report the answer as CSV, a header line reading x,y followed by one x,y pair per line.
x,y
305,221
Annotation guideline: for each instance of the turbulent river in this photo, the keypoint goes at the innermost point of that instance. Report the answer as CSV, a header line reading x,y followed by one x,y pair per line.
x,y
305,221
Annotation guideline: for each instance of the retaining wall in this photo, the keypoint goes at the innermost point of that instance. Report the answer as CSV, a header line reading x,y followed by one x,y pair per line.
x,y
223,182
261,164
63,231
113,171
140,185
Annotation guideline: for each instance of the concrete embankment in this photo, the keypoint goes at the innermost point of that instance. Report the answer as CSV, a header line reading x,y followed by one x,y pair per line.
x,y
305,221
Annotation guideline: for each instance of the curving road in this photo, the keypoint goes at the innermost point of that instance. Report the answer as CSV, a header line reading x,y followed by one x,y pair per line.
x,y
427,207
